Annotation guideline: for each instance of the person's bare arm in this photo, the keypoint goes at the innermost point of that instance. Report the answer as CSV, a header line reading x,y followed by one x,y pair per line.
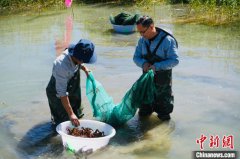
x,y
68,108
85,69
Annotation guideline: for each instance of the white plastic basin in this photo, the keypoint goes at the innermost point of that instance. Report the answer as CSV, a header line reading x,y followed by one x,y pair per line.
x,y
78,144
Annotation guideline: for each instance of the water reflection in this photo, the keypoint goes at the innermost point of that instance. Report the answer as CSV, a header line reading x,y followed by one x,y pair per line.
x,y
61,44
8,141
39,140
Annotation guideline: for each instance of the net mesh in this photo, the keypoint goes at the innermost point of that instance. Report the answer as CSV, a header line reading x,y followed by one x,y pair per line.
x,y
103,107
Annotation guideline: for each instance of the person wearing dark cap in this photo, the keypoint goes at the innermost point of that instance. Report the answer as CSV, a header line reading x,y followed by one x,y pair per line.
x,y
157,50
63,90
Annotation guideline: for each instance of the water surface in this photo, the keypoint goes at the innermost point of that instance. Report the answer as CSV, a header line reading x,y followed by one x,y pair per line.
x,y
205,84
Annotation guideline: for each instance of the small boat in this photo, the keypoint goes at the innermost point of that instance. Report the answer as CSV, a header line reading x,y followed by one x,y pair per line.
x,y
124,28
124,22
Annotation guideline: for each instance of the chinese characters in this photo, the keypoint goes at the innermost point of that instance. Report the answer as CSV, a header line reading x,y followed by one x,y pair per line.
x,y
216,141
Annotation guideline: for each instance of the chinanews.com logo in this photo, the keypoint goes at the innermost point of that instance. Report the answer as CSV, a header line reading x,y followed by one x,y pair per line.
x,y
214,142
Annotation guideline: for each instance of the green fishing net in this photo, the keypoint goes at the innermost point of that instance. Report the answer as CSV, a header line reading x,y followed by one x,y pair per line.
x,y
104,109
124,18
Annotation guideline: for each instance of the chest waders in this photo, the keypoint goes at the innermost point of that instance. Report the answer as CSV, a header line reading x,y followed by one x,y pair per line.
x,y
57,109
163,98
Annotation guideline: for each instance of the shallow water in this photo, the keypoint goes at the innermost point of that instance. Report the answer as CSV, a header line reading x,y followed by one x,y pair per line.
x,y
205,84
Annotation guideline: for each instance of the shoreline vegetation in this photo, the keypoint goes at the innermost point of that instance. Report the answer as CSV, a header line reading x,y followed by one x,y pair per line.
x,y
208,12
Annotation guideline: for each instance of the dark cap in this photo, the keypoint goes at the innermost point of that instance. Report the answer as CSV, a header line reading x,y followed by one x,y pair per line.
x,y
84,51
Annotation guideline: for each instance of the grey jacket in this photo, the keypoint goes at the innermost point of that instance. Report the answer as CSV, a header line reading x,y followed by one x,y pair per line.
x,y
63,70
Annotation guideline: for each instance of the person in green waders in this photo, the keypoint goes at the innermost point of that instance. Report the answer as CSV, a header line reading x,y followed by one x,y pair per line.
x,y
63,90
157,50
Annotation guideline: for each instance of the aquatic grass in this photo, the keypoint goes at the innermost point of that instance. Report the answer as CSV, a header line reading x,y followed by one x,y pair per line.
x,y
210,12
215,12
34,6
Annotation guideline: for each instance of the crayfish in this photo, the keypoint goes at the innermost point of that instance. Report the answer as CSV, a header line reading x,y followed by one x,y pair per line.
x,y
85,132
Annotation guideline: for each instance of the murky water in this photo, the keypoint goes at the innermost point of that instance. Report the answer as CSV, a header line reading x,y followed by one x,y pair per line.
x,y
205,83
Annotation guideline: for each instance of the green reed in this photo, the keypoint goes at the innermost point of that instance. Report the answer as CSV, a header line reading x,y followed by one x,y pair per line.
x,y
211,12
215,12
